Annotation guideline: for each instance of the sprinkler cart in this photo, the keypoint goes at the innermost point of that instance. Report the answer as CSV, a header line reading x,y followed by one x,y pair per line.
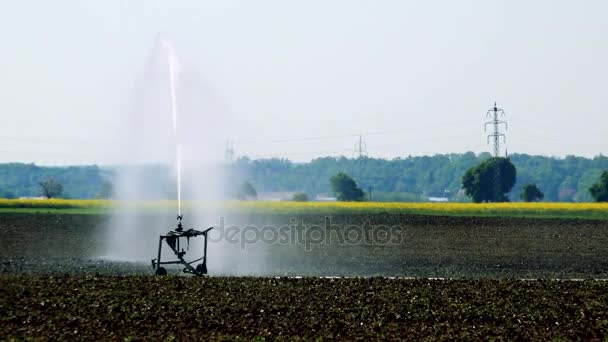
x,y
173,240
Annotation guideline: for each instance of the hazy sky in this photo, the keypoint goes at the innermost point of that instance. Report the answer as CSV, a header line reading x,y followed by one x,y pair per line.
x,y
414,77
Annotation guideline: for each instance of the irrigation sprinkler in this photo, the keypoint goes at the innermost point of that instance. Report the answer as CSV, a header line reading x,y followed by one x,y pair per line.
x,y
173,238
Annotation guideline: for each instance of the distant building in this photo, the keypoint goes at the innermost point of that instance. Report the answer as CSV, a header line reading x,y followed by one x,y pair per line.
x,y
438,199
276,196
325,198
437,196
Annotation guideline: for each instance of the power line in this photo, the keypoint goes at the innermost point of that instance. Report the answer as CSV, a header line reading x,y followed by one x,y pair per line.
x,y
274,155
402,143
394,131
280,141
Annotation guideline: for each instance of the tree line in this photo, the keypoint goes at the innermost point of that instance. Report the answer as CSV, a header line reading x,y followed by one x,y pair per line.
x,y
30,180
399,179
490,181
417,178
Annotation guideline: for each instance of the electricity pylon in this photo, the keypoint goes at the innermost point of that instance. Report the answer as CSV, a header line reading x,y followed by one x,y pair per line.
x,y
360,147
495,113
229,152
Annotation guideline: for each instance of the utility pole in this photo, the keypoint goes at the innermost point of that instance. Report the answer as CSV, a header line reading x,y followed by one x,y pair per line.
x,y
229,152
360,147
360,151
495,113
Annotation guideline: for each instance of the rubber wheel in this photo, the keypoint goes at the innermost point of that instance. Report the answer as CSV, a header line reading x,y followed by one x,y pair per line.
x,y
161,271
201,268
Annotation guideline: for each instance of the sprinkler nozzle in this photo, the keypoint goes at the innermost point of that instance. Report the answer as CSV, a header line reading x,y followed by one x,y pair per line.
x,y
179,224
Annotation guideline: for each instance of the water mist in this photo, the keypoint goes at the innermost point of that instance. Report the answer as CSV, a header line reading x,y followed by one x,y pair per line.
x,y
176,131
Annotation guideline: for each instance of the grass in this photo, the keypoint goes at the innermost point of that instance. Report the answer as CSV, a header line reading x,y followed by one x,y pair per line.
x,y
516,209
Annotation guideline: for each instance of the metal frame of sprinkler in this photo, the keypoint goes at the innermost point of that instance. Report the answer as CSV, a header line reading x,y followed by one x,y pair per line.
x,y
173,241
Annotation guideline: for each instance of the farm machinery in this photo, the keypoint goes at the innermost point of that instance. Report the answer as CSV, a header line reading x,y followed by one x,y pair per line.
x,y
174,240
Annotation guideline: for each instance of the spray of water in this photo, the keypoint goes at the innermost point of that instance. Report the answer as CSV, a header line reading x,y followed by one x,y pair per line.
x,y
178,162
175,131
173,75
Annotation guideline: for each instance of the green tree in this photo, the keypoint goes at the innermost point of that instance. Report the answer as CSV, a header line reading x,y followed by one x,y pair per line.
x,y
531,193
345,188
490,181
599,190
246,191
51,188
300,197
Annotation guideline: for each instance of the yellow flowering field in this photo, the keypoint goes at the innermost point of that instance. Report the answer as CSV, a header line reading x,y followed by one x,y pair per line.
x,y
542,209
54,203
423,206
554,209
